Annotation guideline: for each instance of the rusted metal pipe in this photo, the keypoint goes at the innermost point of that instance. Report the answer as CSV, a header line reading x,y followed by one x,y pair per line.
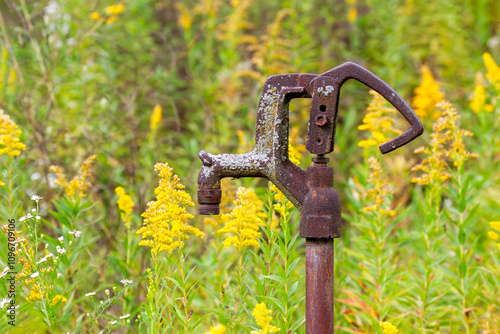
x,y
319,286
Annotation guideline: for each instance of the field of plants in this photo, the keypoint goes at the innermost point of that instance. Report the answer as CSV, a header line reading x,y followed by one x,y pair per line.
x,y
105,105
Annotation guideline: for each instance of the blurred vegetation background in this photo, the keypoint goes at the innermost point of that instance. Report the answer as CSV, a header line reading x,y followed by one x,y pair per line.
x,y
157,81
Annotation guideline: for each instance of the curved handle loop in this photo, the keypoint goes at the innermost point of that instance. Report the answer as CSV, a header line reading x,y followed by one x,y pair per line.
x,y
354,71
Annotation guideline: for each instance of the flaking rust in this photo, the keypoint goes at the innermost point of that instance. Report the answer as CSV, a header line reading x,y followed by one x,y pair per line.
x,y
311,191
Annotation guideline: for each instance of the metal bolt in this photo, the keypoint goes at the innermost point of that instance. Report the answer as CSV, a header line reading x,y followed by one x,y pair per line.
x,y
321,120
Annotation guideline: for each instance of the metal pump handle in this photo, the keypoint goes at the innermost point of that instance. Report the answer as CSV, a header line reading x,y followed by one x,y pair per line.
x,y
325,90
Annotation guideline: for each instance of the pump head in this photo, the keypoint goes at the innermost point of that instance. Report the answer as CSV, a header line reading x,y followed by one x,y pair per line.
x,y
269,158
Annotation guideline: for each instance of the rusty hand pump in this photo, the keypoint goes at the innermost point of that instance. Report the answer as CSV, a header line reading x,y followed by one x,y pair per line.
x,y
311,191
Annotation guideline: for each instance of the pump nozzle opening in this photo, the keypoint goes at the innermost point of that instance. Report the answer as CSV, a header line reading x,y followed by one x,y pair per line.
x,y
209,200
209,209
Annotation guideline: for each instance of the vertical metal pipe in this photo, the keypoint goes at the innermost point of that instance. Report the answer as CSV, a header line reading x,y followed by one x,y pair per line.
x,y
319,286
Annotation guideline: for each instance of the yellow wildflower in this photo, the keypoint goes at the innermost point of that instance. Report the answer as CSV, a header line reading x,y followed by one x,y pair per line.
x,y
217,329
79,183
293,154
388,328
451,121
57,299
427,95
261,315
10,143
95,16
165,220
125,204
493,235
380,192
155,119
111,19
34,296
353,12
231,31
493,73
379,121
243,145
495,225
271,53
185,17
446,143
479,99
242,221
115,9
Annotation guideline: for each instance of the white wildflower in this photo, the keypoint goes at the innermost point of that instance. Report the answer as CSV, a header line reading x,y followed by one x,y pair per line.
x,y
125,316
34,275
4,301
36,198
90,294
28,216
76,233
4,271
126,281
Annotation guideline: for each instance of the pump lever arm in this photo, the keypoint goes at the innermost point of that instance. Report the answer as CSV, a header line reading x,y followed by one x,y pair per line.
x,y
354,71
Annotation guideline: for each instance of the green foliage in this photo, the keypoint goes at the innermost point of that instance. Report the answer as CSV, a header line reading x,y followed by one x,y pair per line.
x,y
79,79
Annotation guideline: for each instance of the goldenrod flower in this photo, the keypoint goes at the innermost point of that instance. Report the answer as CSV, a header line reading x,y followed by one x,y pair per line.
x,y
388,328
493,73
450,123
493,235
115,9
34,296
261,315
479,100
10,143
379,121
57,299
243,144
353,12
380,192
242,221
185,19
79,183
95,16
155,119
446,144
165,220
495,225
125,204
217,329
110,19
427,95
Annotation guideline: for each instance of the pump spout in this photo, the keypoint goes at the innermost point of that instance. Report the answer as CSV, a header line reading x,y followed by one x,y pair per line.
x,y
269,158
